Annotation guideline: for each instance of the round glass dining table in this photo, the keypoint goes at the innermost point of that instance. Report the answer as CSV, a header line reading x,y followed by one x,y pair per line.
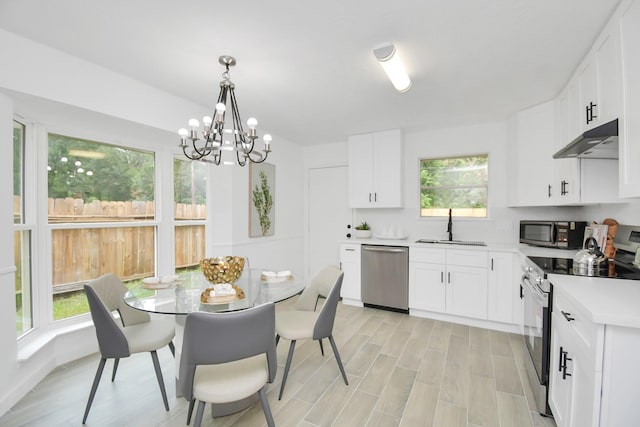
x,y
183,296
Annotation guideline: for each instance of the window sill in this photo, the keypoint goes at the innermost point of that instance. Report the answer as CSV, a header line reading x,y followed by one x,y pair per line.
x,y
37,340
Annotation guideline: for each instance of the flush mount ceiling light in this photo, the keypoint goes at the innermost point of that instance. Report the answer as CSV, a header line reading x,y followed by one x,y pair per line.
x,y
217,138
388,58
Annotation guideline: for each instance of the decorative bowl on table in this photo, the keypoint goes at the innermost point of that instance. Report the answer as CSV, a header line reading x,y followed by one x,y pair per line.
x,y
224,269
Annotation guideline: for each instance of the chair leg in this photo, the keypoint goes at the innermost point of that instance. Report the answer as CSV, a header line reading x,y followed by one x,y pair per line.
x,y
115,369
199,414
172,348
191,404
156,365
321,348
292,347
265,407
335,352
94,387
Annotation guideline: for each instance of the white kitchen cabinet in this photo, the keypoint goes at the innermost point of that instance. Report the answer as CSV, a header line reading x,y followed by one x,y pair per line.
x,y
565,185
502,287
375,170
629,140
600,81
589,102
427,289
561,388
451,281
534,146
575,375
350,266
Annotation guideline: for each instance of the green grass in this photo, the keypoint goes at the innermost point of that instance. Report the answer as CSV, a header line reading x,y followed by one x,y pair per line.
x,y
75,303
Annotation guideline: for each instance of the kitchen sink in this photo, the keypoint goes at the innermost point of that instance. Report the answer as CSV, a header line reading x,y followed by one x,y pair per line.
x,y
452,242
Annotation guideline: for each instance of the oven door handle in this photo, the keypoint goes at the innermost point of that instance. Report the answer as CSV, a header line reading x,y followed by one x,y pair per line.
x,y
532,287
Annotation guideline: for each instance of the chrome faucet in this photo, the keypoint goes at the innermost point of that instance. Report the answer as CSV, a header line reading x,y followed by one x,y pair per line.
x,y
450,227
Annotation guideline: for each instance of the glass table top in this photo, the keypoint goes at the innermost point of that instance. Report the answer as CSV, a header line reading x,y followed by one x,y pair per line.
x,y
183,296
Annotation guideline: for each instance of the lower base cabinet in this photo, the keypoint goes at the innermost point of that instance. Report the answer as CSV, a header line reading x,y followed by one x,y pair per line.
x,y
594,375
350,266
448,281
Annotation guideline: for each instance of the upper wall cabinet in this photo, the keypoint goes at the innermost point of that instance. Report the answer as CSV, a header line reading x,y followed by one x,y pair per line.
x,y
600,81
629,140
375,170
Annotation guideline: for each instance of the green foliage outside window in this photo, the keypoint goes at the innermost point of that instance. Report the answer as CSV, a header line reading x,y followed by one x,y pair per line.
x,y
457,183
189,181
95,171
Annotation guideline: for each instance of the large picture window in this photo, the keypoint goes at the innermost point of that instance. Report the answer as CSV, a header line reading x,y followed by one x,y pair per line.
x,y
456,183
101,210
21,236
190,202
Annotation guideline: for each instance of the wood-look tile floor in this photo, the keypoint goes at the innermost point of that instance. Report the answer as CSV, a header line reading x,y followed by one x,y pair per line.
x,y
402,371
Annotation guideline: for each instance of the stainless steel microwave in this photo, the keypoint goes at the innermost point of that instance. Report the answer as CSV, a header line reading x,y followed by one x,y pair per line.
x,y
553,234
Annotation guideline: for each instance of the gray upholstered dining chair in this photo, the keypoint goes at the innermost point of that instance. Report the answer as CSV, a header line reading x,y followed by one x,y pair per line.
x,y
227,357
304,322
136,332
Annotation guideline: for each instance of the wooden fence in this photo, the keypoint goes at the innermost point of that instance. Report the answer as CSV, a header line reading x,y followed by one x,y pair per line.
x,y
80,254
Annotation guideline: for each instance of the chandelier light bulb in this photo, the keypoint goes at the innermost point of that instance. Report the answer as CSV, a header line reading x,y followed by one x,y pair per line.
x,y
220,108
266,138
194,123
206,121
183,132
252,123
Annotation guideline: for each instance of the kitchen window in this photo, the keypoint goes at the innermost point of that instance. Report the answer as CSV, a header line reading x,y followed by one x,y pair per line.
x,y
457,183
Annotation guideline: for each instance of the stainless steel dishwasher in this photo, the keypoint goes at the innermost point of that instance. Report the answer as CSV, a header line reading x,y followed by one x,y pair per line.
x,y
385,277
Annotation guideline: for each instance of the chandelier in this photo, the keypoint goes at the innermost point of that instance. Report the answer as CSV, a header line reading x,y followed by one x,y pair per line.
x,y
217,138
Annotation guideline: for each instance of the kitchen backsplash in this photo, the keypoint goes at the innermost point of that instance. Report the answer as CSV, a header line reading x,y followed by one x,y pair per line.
x,y
501,227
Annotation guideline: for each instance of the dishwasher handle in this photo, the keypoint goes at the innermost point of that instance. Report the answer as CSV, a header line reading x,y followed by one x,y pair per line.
x,y
383,249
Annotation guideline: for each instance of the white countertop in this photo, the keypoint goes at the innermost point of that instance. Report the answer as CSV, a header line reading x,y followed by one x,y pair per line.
x,y
411,243
608,301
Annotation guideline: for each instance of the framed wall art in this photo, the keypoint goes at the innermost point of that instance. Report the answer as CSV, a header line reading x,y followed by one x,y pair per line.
x,y
262,197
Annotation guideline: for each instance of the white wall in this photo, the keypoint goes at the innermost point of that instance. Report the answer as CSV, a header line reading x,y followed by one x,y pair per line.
x,y
7,264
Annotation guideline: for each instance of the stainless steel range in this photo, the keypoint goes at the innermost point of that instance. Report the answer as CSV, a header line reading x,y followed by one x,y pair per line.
x,y
536,290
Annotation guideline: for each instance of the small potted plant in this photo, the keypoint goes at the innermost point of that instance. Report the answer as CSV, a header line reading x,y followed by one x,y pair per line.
x,y
363,231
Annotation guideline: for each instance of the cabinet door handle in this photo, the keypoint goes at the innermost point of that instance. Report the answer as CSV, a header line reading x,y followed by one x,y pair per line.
x,y
448,277
521,294
369,197
593,110
549,190
565,374
442,277
586,110
491,264
567,316
375,197
560,360
350,250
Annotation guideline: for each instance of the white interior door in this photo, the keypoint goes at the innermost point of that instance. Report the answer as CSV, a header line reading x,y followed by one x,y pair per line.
x,y
329,214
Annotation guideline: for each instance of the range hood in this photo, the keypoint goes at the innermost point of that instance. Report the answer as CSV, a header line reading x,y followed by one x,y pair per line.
x,y
598,143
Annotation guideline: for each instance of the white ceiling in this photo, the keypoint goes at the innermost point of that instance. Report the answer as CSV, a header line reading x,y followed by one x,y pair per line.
x,y
306,69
